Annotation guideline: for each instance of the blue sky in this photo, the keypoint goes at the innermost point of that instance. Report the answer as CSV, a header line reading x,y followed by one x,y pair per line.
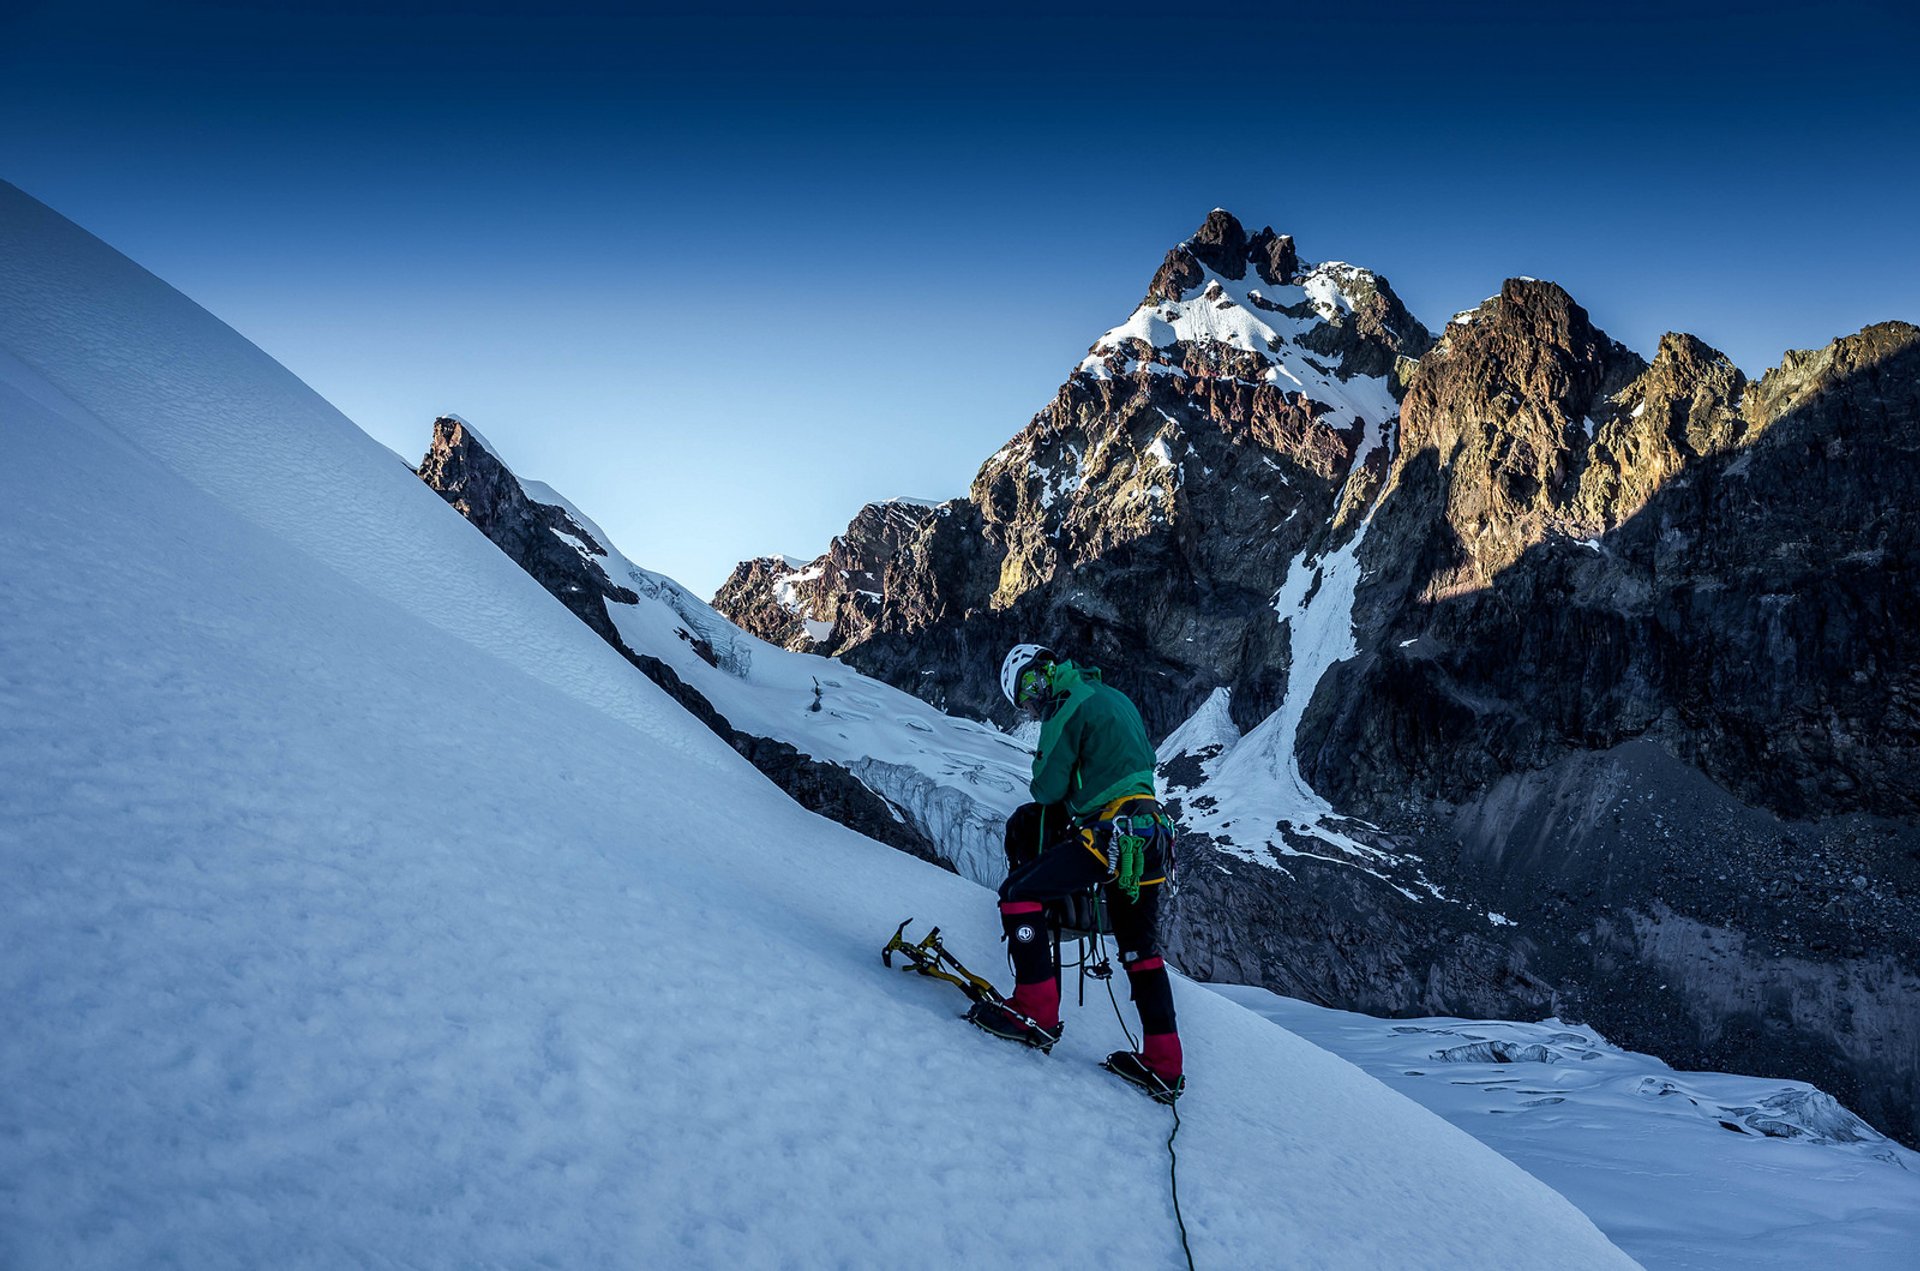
x,y
721,279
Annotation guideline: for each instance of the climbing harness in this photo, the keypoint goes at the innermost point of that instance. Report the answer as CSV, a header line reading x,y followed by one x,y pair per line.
x,y
1119,840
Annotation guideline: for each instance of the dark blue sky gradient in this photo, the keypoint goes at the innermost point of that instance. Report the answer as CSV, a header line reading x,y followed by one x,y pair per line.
x,y
722,278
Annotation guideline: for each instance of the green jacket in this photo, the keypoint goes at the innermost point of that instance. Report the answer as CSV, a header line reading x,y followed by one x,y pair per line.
x,y
1093,748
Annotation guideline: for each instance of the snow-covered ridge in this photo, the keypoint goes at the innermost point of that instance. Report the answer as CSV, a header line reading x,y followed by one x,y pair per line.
x,y
1264,320
955,780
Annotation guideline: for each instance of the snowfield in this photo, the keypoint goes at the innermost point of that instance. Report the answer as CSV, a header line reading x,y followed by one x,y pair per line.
x,y
364,909
1688,1171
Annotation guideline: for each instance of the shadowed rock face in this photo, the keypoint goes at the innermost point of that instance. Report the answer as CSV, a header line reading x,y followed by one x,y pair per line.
x,y
1703,606
1328,933
1634,668
473,480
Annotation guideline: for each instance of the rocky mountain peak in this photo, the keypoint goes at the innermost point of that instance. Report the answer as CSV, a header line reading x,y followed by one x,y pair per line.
x,y
1273,256
1194,451
1804,372
1495,428
1222,245
1529,313
1314,330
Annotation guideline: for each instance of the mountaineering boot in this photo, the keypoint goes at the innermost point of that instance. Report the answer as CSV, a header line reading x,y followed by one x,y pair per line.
x,y
1002,1020
1161,1051
1160,1083
1038,1002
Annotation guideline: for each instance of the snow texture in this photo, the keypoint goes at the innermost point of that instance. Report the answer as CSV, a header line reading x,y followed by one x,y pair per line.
x,y
1686,1171
365,909
1207,733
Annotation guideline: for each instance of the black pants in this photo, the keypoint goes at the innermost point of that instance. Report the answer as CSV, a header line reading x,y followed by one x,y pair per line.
x,y
1047,859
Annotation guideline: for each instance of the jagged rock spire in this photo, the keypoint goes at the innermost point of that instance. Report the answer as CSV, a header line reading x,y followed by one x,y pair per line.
x,y
1222,245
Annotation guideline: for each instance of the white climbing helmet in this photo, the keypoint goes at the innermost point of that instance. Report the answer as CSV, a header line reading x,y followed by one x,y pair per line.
x,y
1018,659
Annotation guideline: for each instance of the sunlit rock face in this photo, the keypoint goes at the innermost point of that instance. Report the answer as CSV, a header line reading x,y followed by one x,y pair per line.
x,y
1488,663
1603,550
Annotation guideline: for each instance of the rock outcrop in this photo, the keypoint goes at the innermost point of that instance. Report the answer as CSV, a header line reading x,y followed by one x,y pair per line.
x,y
538,537
833,600
1698,604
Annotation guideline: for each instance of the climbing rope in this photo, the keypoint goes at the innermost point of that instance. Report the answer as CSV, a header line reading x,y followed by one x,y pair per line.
x,y
1173,1160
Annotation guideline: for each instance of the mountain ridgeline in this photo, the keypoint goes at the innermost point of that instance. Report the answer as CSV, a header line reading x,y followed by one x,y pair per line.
x,y
1502,672
566,557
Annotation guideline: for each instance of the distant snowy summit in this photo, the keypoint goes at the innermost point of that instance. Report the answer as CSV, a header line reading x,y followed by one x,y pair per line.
x,y
1228,304
1235,331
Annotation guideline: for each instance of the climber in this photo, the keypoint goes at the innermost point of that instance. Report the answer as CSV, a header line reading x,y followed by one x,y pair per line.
x,y
1094,822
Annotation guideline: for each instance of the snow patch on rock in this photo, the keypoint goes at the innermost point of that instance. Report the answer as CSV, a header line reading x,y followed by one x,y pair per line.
x,y
1251,316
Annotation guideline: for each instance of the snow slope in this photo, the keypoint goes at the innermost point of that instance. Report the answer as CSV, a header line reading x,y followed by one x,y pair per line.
x,y
365,909
1687,1171
955,779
